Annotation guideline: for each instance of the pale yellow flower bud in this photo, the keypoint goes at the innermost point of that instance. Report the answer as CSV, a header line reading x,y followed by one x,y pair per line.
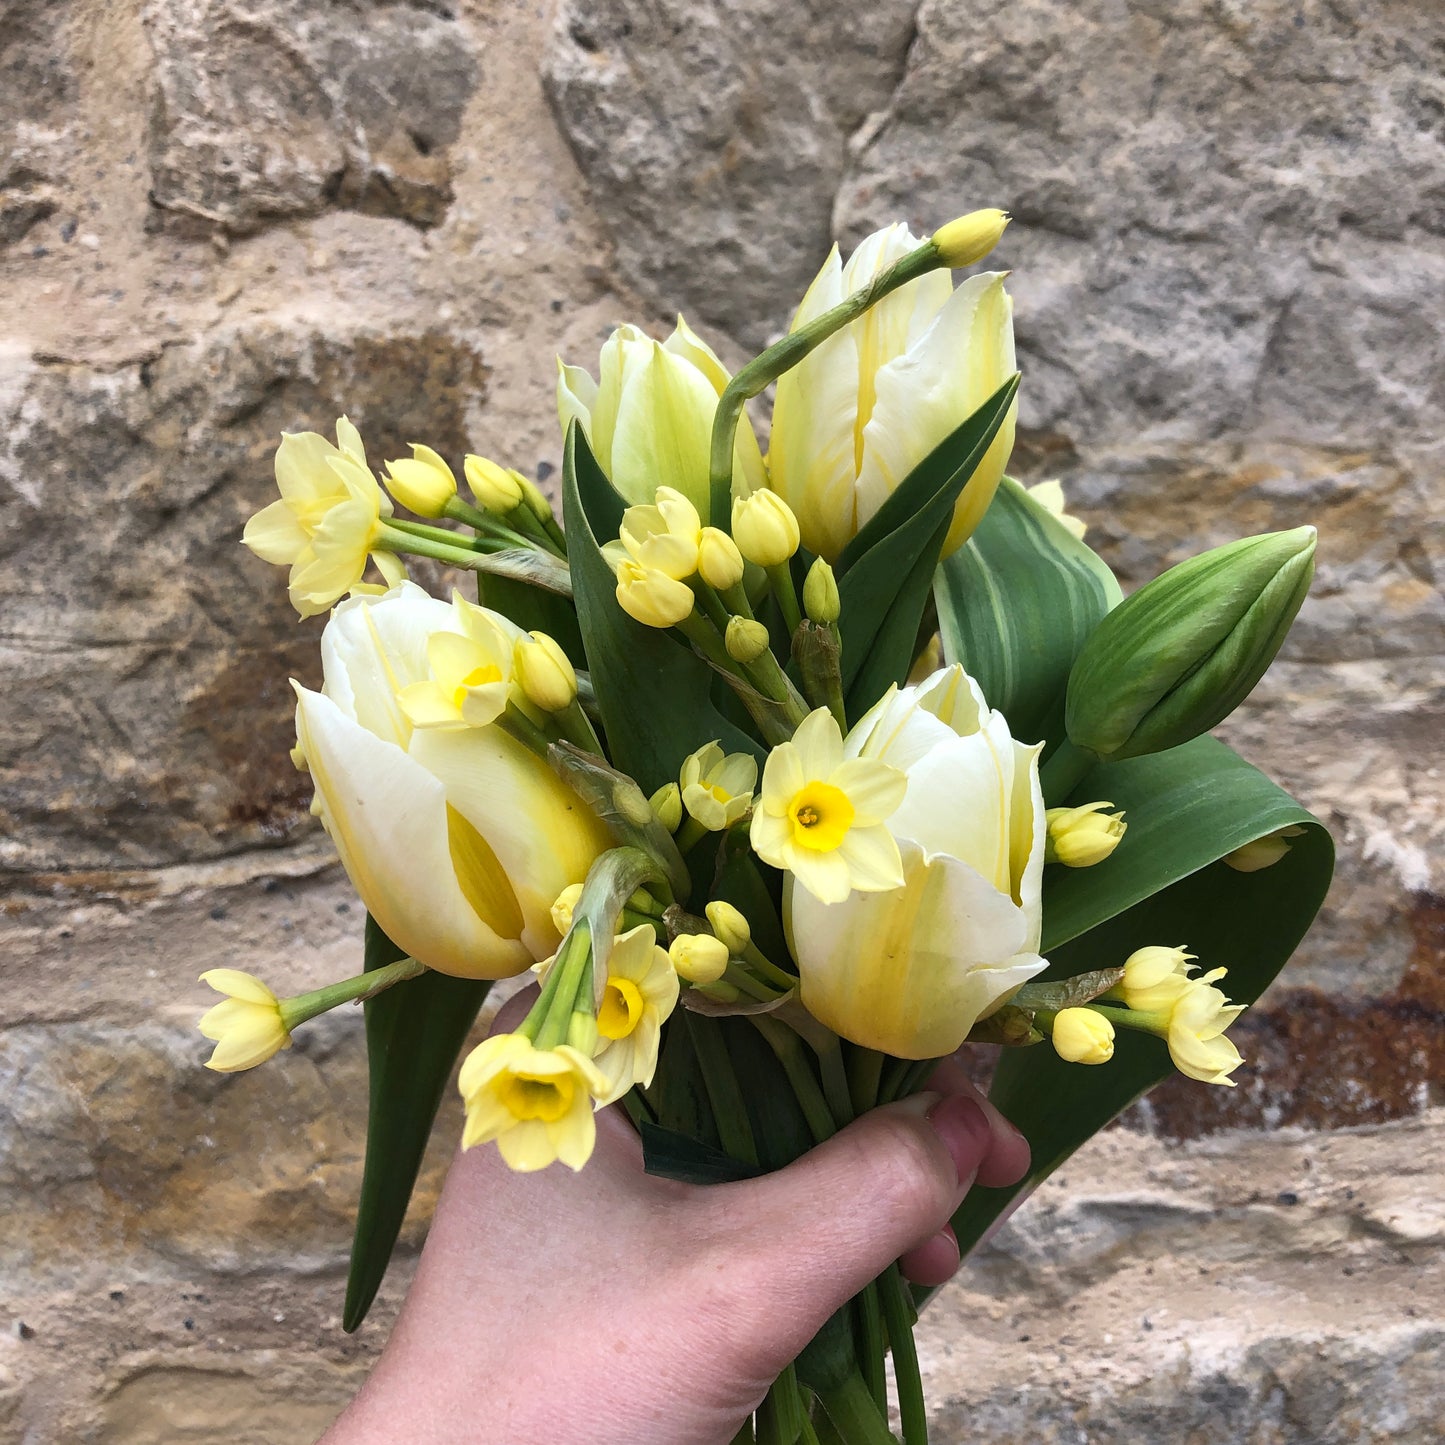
x,y
717,788
652,597
699,957
1154,977
246,1026
544,672
1082,1036
820,593
731,927
929,661
719,562
495,488
765,528
563,908
1080,837
745,640
1263,852
423,482
970,238
667,804
532,496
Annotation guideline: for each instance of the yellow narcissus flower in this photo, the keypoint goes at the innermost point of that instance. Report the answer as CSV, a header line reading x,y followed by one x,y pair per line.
x,y
717,789
422,482
664,535
1154,977
648,416
471,671
536,1103
821,816
246,1026
652,597
641,992
910,970
458,840
854,417
1083,836
327,521
1082,1036
1197,1021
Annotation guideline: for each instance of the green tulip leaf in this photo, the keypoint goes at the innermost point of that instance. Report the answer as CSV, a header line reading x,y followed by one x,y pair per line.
x,y
1016,604
885,572
653,691
1165,884
414,1032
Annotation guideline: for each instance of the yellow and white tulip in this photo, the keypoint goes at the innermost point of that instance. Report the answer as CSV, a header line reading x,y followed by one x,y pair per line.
x,y
910,970
863,409
458,839
648,415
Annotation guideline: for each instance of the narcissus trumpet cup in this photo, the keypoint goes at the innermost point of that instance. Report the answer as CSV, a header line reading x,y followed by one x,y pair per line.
x,y
458,839
910,970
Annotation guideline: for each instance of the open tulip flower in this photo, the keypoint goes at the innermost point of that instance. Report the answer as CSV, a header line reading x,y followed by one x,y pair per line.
x,y
785,775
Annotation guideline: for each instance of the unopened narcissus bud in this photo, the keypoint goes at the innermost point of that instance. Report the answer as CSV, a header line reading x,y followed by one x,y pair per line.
x,y
1082,1036
764,528
246,1026
1083,836
563,908
746,640
729,925
1187,648
1154,977
423,482
666,803
458,838
820,593
544,672
652,597
699,957
495,488
719,563
970,238
1262,852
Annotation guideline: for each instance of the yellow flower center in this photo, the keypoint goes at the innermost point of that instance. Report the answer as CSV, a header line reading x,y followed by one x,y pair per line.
x,y
477,677
719,792
528,1097
621,1009
821,816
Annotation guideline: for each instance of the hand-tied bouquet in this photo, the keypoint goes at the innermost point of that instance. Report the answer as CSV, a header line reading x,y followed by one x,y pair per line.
x,y
787,774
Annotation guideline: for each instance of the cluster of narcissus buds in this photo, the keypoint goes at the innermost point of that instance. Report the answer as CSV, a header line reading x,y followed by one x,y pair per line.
x,y
1162,996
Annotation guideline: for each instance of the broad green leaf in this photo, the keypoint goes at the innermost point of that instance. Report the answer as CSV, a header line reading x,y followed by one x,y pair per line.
x,y
414,1033
653,691
1016,604
1186,808
879,588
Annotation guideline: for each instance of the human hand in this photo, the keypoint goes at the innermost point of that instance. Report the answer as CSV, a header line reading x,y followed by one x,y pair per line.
x,y
621,1309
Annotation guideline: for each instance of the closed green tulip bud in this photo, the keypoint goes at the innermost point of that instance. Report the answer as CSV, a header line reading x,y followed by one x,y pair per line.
x,y
1187,648
820,593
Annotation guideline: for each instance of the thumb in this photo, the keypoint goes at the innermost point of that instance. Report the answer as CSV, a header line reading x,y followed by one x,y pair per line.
x,y
823,1227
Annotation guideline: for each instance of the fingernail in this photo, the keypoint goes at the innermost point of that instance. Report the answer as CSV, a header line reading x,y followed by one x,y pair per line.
x,y
965,1131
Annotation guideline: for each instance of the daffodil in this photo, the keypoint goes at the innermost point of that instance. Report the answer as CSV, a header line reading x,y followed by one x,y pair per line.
x,y
471,671
458,840
648,415
664,535
247,1025
863,409
910,970
717,788
1195,1033
328,520
536,1103
821,816
641,991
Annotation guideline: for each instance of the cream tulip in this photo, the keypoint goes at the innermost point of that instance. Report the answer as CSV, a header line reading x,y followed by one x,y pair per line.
x,y
858,414
910,970
649,414
457,839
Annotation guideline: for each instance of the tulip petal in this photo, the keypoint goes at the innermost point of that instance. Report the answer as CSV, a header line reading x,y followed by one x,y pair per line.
x,y
387,816
664,430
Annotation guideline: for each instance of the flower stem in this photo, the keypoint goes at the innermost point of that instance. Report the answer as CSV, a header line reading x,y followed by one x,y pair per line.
x,y
865,1072
1064,771
781,578
723,1092
899,1316
789,1050
306,1006
857,1420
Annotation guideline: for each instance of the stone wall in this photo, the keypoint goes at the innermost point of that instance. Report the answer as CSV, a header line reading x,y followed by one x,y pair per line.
x,y
219,220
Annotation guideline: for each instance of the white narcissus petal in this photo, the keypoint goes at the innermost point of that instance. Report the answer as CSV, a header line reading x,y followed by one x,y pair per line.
x,y
872,858
824,875
818,743
543,835
388,819
275,535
